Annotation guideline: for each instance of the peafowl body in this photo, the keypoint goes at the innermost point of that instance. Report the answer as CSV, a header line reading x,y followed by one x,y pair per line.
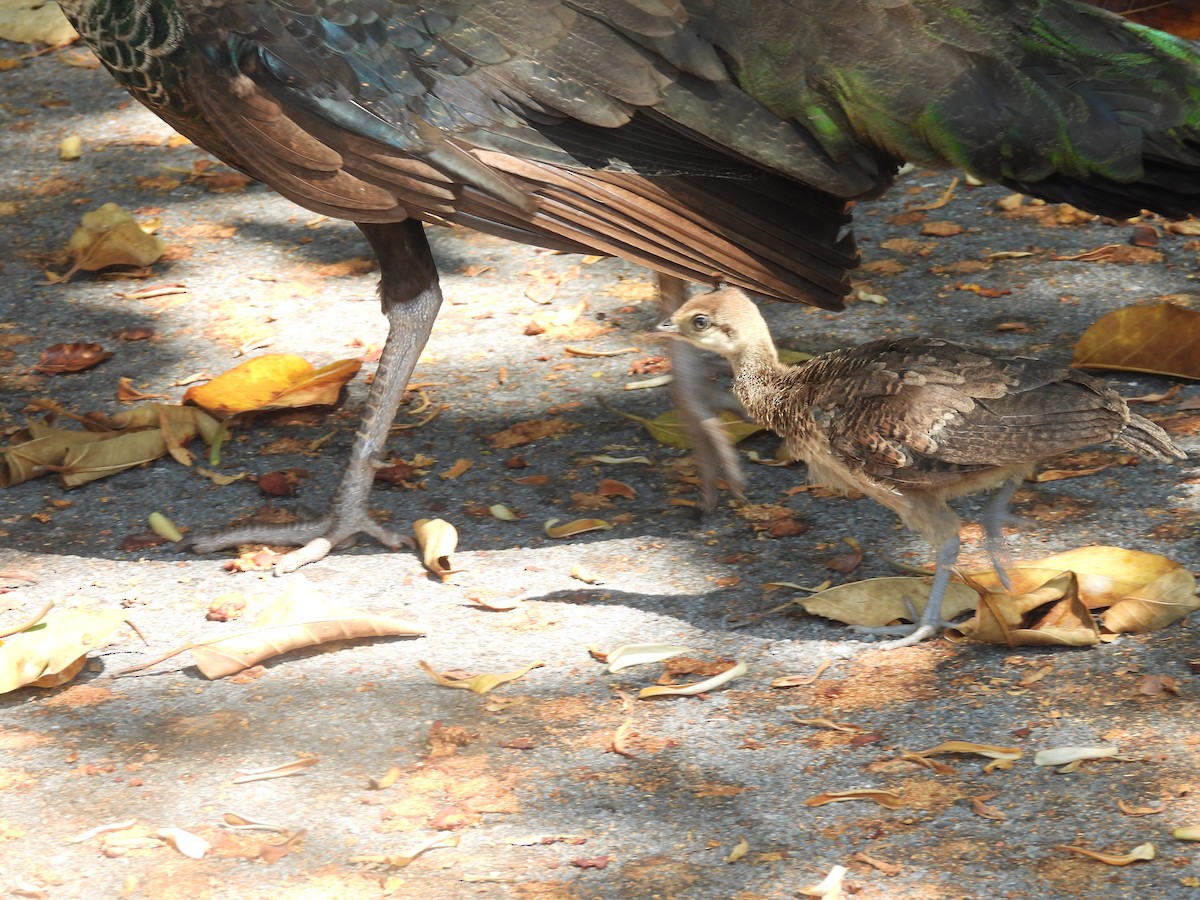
x,y
711,141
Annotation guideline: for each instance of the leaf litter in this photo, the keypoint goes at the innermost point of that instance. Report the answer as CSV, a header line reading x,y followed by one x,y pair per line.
x,y
297,618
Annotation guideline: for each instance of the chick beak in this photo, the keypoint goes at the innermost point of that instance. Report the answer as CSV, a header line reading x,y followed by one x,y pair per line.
x,y
667,326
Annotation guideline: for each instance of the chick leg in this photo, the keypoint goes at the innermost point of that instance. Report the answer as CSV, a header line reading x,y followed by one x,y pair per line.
x,y
692,395
995,516
411,296
930,620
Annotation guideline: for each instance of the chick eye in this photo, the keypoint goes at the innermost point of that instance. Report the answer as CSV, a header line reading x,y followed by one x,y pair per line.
x,y
700,322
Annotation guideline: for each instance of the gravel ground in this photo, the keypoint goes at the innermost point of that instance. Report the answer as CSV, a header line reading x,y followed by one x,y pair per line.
x,y
524,777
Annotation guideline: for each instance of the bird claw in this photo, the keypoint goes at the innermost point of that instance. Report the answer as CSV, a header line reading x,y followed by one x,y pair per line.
x,y
919,634
316,538
909,634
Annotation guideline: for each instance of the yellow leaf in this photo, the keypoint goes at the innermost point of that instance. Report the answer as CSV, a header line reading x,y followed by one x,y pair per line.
x,y
740,849
54,645
880,601
886,799
577,526
399,860
669,429
478,684
273,381
698,687
109,236
988,750
1140,591
71,147
1139,853
1163,339
295,619
34,22
164,527
639,654
1156,605
437,540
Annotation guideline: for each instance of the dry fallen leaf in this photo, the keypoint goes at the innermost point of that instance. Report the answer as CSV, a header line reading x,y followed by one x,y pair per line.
x,y
987,750
478,684
619,737
574,527
640,654
109,236
235,822
740,849
610,487
437,540
882,601
1059,756
273,853
830,887
1136,811
984,811
1140,853
789,681
128,439
390,777
273,381
50,651
886,799
283,770
34,22
190,845
1055,600
670,430
84,836
400,860
78,357
821,722
297,618
690,690
527,432
1161,338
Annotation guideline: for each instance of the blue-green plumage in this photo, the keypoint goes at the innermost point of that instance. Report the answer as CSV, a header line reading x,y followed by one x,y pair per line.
x,y
711,140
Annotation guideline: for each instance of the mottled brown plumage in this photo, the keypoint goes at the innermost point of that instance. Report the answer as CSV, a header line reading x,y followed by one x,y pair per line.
x,y
915,422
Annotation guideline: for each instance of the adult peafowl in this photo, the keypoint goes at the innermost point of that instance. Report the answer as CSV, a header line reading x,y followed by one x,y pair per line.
x,y
713,141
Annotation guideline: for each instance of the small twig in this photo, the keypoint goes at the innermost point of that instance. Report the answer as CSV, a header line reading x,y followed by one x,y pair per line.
x,y
29,623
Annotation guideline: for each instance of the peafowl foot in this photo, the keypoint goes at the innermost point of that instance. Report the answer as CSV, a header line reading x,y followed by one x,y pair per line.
x,y
411,296
317,537
907,635
929,622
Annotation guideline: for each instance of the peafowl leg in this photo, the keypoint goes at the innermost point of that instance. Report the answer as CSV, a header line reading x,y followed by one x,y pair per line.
x,y
930,620
994,518
411,297
692,394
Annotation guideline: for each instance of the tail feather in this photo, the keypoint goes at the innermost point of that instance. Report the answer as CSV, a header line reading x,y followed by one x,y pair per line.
x,y
1147,439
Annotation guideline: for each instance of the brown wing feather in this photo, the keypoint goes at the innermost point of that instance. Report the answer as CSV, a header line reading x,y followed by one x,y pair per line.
x,y
924,413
